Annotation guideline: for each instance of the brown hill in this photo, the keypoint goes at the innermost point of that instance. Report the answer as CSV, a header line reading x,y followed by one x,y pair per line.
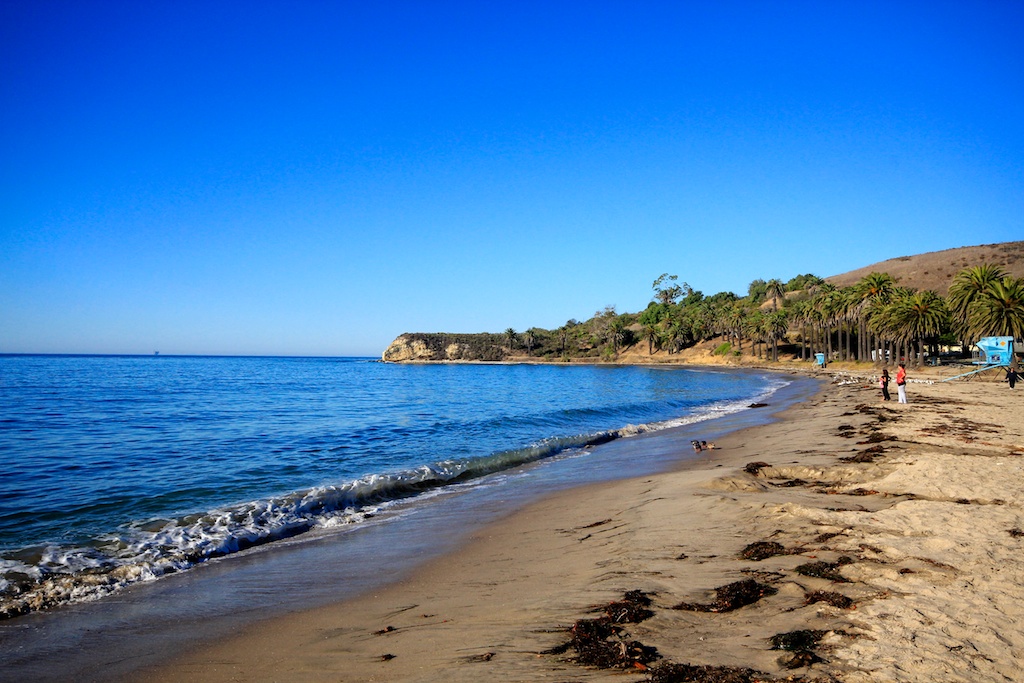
x,y
935,270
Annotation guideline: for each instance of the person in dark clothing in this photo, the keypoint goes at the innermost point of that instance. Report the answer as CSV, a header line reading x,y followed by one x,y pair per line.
x,y
883,381
1011,376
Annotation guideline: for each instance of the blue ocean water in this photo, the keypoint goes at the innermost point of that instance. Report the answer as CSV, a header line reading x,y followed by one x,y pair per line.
x,y
115,470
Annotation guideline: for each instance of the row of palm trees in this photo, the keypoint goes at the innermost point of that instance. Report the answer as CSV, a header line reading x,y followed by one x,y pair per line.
x,y
873,319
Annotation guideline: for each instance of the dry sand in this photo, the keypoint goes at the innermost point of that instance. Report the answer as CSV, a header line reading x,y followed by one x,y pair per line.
x,y
931,518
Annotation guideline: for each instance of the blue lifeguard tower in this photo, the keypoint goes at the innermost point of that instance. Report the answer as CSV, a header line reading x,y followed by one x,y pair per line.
x,y
993,352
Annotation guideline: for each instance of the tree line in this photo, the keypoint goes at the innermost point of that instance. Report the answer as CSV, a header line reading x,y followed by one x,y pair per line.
x,y
871,320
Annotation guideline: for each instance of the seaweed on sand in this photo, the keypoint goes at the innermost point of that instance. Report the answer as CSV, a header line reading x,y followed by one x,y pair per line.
x,y
864,456
801,643
829,597
597,642
732,596
804,639
755,467
632,609
825,570
877,437
762,550
691,673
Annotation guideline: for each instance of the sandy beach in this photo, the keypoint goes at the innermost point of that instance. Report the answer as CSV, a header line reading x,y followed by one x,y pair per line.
x,y
889,544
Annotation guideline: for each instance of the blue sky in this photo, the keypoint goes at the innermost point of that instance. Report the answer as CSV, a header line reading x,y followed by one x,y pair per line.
x,y
314,178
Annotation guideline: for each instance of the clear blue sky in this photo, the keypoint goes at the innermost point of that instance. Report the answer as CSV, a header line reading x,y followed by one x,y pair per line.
x,y
314,178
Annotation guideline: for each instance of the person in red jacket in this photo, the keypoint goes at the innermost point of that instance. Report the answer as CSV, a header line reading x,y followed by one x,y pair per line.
x,y
901,383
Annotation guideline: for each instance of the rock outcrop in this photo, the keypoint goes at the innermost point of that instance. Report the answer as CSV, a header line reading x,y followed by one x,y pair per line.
x,y
425,347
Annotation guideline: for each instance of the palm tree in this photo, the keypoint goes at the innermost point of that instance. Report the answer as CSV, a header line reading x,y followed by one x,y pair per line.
x,y
734,320
820,295
651,333
511,335
802,312
919,316
999,311
775,290
872,290
842,304
776,324
968,285
754,326
673,335
616,333
529,338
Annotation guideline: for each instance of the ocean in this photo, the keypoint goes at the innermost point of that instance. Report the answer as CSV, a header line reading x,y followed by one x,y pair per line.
x,y
121,471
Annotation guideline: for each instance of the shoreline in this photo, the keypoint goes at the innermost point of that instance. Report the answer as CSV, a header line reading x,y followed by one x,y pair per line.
x,y
919,515
151,622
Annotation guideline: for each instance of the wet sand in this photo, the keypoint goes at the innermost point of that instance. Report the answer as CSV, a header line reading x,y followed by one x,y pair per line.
x,y
917,510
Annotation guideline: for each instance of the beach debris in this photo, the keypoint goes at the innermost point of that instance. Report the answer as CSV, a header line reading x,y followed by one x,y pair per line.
x,y
632,609
762,550
877,437
731,596
485,657
755,467
801,643
1016,533
825,570
829,597
758,405
387,657
862,492
866,455
598,642
800,659
386,629
670,672
804,639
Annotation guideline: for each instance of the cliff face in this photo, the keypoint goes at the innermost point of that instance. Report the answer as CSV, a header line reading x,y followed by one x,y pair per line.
x,y
419,347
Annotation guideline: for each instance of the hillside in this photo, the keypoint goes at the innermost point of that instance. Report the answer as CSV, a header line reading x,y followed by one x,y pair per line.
x,y
935,270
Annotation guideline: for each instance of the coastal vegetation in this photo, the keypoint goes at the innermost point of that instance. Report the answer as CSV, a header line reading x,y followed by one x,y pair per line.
x,y
877,317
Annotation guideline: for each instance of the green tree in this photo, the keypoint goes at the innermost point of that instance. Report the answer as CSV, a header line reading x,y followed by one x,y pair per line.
x,y
529,338
999,311
775,290
803,282
917,316
665,290
776,324
871,292
757,291
511,337
652,333
969,285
